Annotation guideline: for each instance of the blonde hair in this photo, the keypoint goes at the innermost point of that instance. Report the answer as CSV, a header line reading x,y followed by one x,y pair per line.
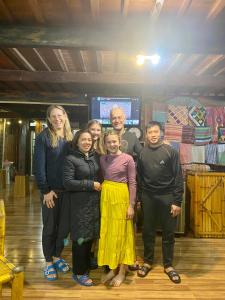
x,y
111,132
98,145
67,129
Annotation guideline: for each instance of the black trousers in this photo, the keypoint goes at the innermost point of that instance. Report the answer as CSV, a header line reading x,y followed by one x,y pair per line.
x,y
81,257
51,244
156,210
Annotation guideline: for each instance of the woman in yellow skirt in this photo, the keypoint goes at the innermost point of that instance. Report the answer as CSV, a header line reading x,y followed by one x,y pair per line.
x,y
116,244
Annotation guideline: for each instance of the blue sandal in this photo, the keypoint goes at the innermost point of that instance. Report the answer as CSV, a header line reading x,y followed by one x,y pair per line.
x,y
61,265
82,280
50,270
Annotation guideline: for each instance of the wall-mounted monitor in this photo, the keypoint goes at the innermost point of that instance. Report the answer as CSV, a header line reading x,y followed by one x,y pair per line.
x,y
100,109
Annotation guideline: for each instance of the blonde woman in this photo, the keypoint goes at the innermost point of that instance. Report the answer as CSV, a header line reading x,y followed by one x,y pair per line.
x,y
50,150
95,128
116,243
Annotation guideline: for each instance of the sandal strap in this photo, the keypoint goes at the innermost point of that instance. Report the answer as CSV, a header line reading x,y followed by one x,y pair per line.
x,y
49,270
173,273
82,279
60,261
61,264
145,268
174,276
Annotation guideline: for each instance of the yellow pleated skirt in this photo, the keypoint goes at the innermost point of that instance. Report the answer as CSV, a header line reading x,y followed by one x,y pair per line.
x,y
116,243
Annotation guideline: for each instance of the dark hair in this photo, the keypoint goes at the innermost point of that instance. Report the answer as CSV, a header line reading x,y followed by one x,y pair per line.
x,y
76,138
153,123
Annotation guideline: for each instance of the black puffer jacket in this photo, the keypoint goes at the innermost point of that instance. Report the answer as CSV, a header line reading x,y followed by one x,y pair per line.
x,y
81,201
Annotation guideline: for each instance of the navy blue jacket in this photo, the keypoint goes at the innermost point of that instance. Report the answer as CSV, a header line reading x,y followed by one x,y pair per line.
x,y
48,163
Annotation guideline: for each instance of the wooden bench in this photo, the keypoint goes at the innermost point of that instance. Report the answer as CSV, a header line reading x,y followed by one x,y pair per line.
x,y
9,272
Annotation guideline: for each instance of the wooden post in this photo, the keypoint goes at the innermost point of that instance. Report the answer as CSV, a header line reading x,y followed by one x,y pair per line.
x,y
17,284
21,188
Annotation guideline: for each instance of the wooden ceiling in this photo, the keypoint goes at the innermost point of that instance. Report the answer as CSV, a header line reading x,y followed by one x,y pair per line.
x,y
67,49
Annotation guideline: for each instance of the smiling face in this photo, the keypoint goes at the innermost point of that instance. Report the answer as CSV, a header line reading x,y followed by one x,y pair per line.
x,y
112,144
84,142
153,134
57,118
117,119
96,130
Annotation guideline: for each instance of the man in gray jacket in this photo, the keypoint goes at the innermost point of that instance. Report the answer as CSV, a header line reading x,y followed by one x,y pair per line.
x,y
129,142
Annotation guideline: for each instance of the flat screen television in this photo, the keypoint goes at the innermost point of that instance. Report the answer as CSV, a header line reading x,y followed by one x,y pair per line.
x,y
101,106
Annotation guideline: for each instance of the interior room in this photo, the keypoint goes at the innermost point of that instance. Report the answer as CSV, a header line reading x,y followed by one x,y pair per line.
x,y
158,60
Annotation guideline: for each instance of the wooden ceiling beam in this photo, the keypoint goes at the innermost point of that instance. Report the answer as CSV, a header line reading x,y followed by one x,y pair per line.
x,y
184,7
61,60
82,61
6,11
9,115
124,7
22,59
20,97
35,8
157,9
112,78
95,8
172,38
42,59
99,61
209,64
217,7
222,70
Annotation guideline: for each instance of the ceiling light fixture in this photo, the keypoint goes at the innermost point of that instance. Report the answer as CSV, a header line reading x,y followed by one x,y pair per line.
x,y
140,59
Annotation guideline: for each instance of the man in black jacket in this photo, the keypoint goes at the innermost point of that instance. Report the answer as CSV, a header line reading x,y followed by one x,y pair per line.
x,y
161,184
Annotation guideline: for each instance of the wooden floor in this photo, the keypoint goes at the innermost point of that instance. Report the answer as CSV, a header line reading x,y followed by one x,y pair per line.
x,y
201,263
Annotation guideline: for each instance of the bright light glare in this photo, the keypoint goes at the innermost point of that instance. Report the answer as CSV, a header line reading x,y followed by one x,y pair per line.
x,y
140,60
8,122
154,59
20,122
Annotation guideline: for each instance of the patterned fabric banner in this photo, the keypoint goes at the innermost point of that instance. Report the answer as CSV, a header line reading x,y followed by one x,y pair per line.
x,y
188,134
177,115
215,117
185,153
221,154
198,154
202,135
211,154
173,132
221,135
197,115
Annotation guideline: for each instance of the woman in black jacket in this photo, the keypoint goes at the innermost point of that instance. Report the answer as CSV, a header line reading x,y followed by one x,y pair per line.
x,y
81,181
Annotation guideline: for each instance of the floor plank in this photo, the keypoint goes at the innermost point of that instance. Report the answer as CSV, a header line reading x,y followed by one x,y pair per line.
x,y
201,263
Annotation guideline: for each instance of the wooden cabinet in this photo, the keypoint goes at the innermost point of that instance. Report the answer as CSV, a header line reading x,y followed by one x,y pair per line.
x,y
207,203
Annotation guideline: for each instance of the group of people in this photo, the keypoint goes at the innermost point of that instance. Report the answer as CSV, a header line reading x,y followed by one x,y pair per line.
x,y
89,185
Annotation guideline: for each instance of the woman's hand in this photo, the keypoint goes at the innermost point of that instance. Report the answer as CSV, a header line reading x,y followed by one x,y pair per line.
x,y
130,213
97,186
49,199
